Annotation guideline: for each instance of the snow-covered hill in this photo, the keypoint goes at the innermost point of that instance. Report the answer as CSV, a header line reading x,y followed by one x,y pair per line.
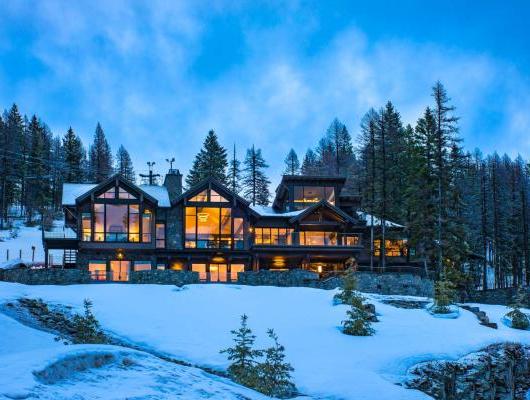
x,y
193,323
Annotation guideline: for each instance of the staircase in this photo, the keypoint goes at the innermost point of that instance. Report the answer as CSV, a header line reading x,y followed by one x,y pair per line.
x,y
70,258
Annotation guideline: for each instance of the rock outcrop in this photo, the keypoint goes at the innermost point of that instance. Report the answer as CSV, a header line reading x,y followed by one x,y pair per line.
x,y
498,372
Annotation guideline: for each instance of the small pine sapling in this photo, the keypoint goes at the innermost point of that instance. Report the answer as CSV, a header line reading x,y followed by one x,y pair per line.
x,y
275,373
519,320
243,368
86,327
444,296
348,288
358,321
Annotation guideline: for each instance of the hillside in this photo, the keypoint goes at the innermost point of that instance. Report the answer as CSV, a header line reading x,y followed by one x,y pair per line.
x,y
193,323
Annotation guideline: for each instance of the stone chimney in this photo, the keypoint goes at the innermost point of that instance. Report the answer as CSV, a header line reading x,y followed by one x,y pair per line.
x,y
173,183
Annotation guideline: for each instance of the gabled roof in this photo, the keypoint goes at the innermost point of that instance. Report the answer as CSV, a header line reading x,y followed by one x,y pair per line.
x,y
218,186
73,192
323,204
265,211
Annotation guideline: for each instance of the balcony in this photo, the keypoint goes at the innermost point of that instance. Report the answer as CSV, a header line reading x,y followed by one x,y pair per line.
x,y
303,239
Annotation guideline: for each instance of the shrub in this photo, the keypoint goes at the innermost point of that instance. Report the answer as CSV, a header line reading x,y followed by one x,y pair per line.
x,y
358,321
444,296
86,327
519,319
349,286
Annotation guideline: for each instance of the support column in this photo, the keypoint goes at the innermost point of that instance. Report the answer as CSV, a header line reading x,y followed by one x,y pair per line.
x,y
45,257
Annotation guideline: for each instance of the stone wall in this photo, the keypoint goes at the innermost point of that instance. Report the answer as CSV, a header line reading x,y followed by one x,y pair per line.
x,y
494,296
387,283
174,228
50,276
164,277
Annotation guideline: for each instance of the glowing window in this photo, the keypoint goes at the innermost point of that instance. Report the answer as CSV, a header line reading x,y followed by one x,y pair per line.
x,y
216,197
98,270
201,269
142,265
124,194
109,194
234,270
86,225
201,197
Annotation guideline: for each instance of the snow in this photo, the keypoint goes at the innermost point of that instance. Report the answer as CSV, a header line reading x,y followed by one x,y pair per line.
x,y
72,191
159,193
27,237
193,323
377,222
12,264
34,365
265,211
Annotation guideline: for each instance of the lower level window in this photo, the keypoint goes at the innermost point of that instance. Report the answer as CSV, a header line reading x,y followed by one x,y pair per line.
x,y
142,265
201,269
234,270
98,270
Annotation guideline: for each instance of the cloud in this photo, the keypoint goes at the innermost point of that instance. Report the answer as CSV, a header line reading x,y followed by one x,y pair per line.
x,y
131,66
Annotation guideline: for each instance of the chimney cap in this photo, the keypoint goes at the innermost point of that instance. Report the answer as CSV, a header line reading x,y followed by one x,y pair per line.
x,y
173,171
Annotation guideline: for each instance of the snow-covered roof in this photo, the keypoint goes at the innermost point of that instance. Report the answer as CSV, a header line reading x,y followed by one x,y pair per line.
x,y
72,191
265,211
377,222
159,193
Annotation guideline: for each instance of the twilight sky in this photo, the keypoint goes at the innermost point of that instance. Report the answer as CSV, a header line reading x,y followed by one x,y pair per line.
x,y
159,74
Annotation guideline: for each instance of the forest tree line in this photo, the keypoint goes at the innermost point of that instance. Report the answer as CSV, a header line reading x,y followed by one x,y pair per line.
x,y
464,212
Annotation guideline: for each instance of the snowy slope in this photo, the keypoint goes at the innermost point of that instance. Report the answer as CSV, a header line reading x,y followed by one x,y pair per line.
x,y
194,323
34,365
27,237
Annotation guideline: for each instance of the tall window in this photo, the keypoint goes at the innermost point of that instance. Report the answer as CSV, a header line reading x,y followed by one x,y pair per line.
x,y
239,234
99,222
118,223
209,227
134,223
146,226
208,195
86,226
160,235
305,195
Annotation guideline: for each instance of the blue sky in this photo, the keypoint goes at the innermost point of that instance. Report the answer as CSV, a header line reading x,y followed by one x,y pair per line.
x,y
159,74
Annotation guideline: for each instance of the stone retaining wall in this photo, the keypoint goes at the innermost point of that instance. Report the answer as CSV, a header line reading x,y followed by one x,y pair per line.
x,y
50,276
386,283
494,296
164,277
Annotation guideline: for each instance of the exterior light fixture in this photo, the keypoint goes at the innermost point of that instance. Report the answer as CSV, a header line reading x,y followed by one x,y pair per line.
x,y
119,254
319,269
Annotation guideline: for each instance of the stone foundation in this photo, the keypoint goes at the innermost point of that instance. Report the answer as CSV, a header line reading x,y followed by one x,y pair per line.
x,y
164,277
48,276
386,283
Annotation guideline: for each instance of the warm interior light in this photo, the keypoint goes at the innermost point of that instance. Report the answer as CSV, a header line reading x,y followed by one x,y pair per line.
x,y
203,216
319,269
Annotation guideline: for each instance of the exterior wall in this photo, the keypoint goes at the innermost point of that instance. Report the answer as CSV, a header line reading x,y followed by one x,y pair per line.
x,y
494,296
388,283
46,276
84,257
174,228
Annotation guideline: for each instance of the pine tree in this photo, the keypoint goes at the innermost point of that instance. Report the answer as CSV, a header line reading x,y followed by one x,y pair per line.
x,y
444,296
359,320
275,373
255,182
339,140
309,164
100,157
87,329
348,288
243,367
124,165
519,320
211,161
292,165
235,173
74,157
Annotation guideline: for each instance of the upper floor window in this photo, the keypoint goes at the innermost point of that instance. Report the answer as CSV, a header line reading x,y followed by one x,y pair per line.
x,y
160,235
109,194
273,236
312,238
305,195
211,227
208,195
393,248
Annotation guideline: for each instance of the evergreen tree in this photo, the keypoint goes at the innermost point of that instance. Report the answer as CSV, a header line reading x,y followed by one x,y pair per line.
x,y
243,367
444,296
38,194
87,329
358,321
309,164
100,157
255,182
124,165
235,173
292,165
275,373
211,161
74,157
348,288
519,320
340,144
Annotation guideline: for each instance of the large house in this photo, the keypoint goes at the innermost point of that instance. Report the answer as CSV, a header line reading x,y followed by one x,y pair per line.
x,y
116,227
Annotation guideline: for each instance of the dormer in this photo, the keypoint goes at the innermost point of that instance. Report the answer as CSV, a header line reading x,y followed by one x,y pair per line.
x,y
297,192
